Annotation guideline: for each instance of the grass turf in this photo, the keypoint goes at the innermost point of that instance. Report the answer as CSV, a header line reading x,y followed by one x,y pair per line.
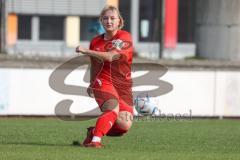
x,y
25,138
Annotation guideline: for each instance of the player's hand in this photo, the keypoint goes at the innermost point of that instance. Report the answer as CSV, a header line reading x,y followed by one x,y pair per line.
x,y
114,56
90,92
81,49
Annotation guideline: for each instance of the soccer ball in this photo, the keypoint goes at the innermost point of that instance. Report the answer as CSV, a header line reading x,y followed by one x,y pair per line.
x,y
144,106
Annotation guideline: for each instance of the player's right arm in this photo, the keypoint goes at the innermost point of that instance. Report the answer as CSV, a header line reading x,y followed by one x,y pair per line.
x,y
103,56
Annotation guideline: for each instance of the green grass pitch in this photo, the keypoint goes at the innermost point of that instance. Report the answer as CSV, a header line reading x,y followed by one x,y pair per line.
x,y
49,138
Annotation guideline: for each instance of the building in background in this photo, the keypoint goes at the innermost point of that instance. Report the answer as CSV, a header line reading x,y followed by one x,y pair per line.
x,y
185,27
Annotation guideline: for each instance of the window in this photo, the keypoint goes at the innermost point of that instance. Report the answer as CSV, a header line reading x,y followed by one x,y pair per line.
x,y
51,28
89,28
24,27
150,20
186,21
125,9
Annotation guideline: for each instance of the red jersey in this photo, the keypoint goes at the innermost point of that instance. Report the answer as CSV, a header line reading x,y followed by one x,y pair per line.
x,y
117,72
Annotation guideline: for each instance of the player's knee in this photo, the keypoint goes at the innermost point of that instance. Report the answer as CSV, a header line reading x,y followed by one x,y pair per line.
x,y
124,125
124,120
111,104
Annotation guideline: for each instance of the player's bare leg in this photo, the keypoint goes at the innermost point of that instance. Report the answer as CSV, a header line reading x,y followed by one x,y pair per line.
x,y
124,120
122,124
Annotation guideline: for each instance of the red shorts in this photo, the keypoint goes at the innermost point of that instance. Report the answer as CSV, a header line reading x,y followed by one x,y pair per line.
x,y
105,91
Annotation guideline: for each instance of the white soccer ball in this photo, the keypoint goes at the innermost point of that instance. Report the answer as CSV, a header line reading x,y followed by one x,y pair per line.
x,y
144,106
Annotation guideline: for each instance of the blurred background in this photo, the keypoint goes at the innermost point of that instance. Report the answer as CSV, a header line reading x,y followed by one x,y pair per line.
x,y
207,29
198,40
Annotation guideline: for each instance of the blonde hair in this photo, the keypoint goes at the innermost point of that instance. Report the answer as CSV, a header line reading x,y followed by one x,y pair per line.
x,y
112,8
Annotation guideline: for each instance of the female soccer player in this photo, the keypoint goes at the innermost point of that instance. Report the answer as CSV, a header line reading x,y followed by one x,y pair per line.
x,y
110,80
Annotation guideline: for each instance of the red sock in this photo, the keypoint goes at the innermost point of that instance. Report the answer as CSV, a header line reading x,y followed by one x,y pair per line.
x,y
105,123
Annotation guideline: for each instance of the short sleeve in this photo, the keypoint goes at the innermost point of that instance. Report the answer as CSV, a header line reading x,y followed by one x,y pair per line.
x,y
91,45
123,44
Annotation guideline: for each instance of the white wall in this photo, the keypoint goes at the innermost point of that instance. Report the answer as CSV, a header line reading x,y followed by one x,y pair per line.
x,y
204,92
